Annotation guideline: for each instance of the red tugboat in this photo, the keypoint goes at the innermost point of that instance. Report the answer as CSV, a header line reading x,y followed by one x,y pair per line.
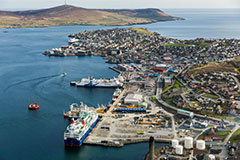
x,y
33,106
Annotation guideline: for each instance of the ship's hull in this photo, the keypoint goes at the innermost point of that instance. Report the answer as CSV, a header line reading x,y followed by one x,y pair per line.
x,y
72,142
97,86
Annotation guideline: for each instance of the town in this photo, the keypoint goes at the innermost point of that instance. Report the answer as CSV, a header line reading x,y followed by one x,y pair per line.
x,y
182,92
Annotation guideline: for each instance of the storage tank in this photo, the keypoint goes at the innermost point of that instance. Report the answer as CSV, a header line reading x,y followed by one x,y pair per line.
x,y
200,144
174,143
179,149
188,142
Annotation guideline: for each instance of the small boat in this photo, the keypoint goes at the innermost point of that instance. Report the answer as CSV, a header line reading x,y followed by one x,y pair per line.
x,y
64,74
33,106
66,115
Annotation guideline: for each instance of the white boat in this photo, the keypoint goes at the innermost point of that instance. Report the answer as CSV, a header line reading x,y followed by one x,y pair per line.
x,y
79,129
99,83
117,93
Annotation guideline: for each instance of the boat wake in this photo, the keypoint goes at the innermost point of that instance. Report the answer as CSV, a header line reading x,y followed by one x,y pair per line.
x,y
30,80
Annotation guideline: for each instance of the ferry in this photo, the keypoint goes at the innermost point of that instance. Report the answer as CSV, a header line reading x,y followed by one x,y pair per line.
x,y
99,83
79,129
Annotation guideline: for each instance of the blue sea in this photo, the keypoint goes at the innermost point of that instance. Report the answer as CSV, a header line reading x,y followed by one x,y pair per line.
x,y
25,74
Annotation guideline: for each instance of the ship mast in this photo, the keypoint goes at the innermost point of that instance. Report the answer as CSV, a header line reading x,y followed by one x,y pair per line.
x,y
65,2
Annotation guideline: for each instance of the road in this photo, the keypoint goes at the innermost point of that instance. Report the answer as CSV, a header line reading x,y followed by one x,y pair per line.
x,y
236,80
229,136
155,110
117,100
201,133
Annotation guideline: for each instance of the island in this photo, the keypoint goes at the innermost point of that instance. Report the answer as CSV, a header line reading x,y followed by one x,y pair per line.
x,y
72,15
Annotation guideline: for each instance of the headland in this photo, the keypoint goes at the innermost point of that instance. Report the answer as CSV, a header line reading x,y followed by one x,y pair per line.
x,y
72,15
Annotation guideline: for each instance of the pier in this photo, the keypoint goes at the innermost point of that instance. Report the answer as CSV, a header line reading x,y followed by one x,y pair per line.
x,y
115,69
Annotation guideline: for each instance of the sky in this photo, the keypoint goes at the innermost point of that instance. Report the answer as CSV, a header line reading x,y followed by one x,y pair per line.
x,y
38,4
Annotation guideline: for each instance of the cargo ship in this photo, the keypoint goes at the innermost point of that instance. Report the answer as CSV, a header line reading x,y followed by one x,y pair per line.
x,y
79,129
99,83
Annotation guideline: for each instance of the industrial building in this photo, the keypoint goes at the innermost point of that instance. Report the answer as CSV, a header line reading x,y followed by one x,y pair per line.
x,y
133,98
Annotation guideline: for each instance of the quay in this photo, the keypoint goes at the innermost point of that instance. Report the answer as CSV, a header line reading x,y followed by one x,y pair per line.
x,y
115,69
123,142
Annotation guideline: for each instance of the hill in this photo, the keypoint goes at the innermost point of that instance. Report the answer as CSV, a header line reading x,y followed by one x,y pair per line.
x,y
229,66
71,15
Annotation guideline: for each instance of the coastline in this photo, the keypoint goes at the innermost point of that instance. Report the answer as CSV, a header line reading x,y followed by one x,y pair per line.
x,y
126,142
114,25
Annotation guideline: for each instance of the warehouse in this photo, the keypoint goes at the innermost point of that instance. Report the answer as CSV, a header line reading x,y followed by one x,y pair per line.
x,y
133,99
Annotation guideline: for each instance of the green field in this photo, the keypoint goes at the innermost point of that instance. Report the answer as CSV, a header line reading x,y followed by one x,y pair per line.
x,y
154,99
168,101
177,84
165,89
233,137
223,135
213,96
204,44
142,30
184,45
177,45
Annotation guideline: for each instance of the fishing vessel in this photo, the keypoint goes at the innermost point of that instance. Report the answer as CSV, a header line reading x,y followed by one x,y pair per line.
x,y
75,110
33,106
91,82
79,129
117,93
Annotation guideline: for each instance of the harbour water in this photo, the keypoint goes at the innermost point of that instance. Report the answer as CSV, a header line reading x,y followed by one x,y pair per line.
x,y
25,73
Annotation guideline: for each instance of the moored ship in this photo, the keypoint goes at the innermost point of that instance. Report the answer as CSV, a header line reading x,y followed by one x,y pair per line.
x,y
117,93
79,129
99,83
75,110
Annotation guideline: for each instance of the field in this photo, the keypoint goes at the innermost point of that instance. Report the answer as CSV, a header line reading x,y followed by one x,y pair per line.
x,y
231,66
142,30
235,137
211,96
222,134
184,45
177,45
177,84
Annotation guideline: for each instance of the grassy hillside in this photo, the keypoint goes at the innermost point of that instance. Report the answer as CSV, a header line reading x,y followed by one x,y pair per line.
x,y
71,15
231,66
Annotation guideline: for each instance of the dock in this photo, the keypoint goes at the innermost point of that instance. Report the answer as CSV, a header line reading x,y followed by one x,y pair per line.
x,y
121,142
115,69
